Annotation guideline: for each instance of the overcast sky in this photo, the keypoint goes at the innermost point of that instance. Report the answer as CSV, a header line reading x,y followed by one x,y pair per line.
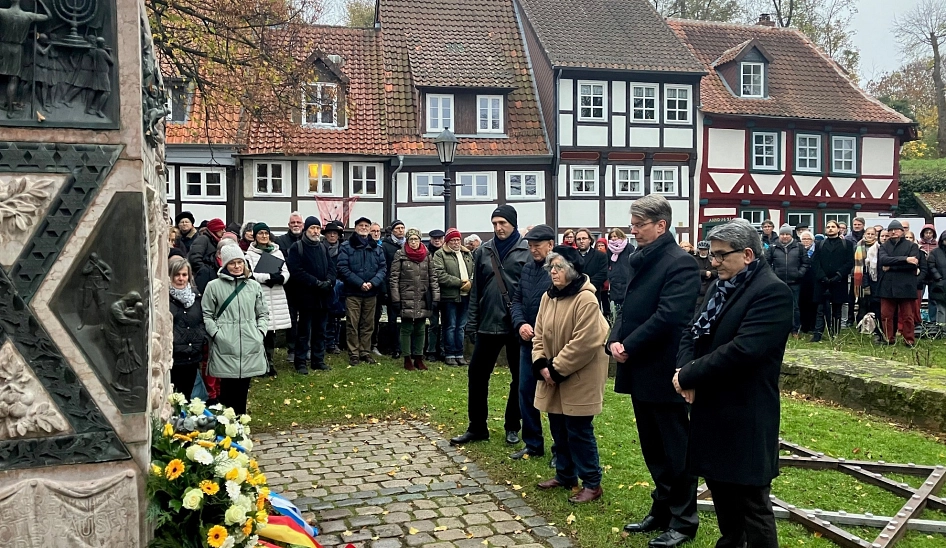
x,y
879,49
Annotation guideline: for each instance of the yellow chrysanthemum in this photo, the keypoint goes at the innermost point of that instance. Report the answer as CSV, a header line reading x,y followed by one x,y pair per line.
x,y
216,536
156,470
232,453
193,434
261,499
174,469
248,527
254,466
225,442
209,487
233,474
259,479
181,437
206,444
262,517
168,430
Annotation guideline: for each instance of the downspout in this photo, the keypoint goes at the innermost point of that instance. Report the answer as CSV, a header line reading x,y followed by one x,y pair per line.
x,y
557,151
400,166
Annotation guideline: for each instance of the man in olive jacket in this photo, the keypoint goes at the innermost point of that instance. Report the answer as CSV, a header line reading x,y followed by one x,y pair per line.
x,y
729,361
491,324
661,293
899,263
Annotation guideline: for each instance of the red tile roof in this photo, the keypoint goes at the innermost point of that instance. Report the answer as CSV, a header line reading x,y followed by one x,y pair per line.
x,y
222,129
457,43
803,81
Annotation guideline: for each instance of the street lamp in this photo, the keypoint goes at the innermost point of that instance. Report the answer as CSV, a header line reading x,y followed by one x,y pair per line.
x,y
446,149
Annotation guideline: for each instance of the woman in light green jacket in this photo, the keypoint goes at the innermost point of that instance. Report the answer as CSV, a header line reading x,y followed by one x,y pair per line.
x,y
236,318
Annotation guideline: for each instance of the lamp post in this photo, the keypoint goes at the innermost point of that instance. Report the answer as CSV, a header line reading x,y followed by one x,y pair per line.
x,y
446,149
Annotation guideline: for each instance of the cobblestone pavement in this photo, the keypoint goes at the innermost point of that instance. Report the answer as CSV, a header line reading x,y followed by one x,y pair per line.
x,y
389,485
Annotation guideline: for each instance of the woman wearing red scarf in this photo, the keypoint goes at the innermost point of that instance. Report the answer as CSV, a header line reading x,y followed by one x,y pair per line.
x,y
415,289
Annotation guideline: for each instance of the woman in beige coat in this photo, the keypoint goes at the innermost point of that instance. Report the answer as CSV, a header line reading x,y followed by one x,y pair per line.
x,y
569,360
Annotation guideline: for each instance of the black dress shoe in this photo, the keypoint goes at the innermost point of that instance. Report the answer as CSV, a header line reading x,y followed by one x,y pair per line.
x,y
320,367
467,437
670,539
512,437
647,525
523,452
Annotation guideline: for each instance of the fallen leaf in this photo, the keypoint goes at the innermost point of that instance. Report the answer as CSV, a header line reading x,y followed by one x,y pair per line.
x,y
615,530
287,401
570,519
516,487
440,528
347,533
412,531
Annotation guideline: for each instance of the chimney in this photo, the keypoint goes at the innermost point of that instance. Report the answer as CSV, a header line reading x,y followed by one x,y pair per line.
x,y
765,20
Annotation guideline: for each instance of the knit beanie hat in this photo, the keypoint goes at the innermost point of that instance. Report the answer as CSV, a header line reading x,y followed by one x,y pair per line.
x,y
412,232
785,229
312,221
507,212
452,233
225,240
396,223
215,225
230,252
260,226
230,236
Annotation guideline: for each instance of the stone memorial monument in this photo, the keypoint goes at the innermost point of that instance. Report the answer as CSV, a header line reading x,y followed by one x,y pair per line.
x,y
84,325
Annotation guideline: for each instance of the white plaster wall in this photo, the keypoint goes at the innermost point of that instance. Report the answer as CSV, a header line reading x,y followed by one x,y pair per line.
x,y
577,212
566,100
618,131
841,184
594,136
877,186
562,181
783,147
530,213
309,208
681,212
608,181
726,181
685,181
619,96
476,217
767,182
877,155
371,210
403,185
719,211
776,217
206,211
727,149
271,213
565,122
678,137
427,218
645,137
617,213
806,183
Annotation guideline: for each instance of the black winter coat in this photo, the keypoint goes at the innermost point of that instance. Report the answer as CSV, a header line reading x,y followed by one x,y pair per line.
x,y
937,260
186,242
595,266
789,262
286,240
359,263
203,259
734,419
618,273
899,280
488,313
533,283
189,332
314,275
389,247
705,265
833,263
661,294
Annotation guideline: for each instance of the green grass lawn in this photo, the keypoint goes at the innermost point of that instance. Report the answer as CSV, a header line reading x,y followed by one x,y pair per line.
x,y
365,394
926,353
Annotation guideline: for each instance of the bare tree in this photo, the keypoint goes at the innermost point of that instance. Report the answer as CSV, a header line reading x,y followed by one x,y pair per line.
x,y
921,31
703,10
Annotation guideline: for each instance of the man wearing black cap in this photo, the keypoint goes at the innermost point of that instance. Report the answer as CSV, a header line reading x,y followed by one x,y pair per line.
x,y
314,273
185,223
435,350
285,242
899,263
333,234
390,245
497,267
361,266
533,283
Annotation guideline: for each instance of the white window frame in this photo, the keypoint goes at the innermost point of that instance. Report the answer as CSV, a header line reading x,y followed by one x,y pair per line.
x,y
539,185
304,179
656,103
752,214
169,117
689,103
430,177
584,170
838,218
619,170
742,79
318,122
443,123
204,171
809,216
672,180
808,148
169,173
379,179
835,139
286,178
492,116
604,101
475,178
776,160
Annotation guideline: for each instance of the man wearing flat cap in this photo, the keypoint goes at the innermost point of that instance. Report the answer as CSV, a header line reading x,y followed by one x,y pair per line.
x,y
361,267
435,351
898,262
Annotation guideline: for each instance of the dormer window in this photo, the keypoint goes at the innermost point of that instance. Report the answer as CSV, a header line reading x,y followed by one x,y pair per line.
x,y
439,112
178,100
320,104
753,79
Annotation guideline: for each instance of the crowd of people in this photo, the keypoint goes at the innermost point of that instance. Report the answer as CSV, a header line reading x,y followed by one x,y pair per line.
x,y
698,347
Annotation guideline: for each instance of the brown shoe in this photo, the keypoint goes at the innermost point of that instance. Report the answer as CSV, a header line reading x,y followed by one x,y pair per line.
x,y
552,484
586,495
419,363
462,361
408,364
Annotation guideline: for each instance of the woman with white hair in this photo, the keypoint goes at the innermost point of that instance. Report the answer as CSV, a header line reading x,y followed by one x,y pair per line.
x,y
571,367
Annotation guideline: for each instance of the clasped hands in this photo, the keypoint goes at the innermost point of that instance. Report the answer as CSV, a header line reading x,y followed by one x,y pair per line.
x,y
620,355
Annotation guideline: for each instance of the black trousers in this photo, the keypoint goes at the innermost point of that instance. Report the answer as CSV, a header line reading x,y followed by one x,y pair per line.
x,y
663,429
745,515
485,352
294,318
234,393
310,343
183,377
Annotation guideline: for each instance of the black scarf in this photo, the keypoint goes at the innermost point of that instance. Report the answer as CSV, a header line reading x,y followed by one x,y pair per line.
x,y
724,289
644,253
503,247
571,289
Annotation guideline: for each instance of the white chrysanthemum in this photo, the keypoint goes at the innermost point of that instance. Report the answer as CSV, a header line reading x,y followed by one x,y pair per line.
x,y
192,499
235,515
230,542
176,398
231,430
245,443
247,503
245,419
251,542
233,490
222,465
200,455
229,413
196,406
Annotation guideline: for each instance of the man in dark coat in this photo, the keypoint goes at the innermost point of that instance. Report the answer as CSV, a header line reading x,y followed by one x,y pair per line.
x,y
285,242
661,292
314,272
333,235
490,323
729,362
594,263
789,260
899,263
185,223
389,245
361,266
435,351
203,253
769,235
707,270
533,283
833,263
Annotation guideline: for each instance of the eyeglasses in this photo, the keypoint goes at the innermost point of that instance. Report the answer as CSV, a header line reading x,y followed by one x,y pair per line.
x,y
551,267
638,226
720,257
582,239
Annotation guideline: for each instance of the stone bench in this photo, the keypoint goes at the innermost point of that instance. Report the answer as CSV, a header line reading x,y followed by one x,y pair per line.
x,y
907,393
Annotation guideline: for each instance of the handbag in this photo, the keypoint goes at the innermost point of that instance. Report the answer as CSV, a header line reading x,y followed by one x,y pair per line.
x,y
499,279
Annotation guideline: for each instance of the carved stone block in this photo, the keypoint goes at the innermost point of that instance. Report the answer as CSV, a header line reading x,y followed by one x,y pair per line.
x,y
26,410
24,200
